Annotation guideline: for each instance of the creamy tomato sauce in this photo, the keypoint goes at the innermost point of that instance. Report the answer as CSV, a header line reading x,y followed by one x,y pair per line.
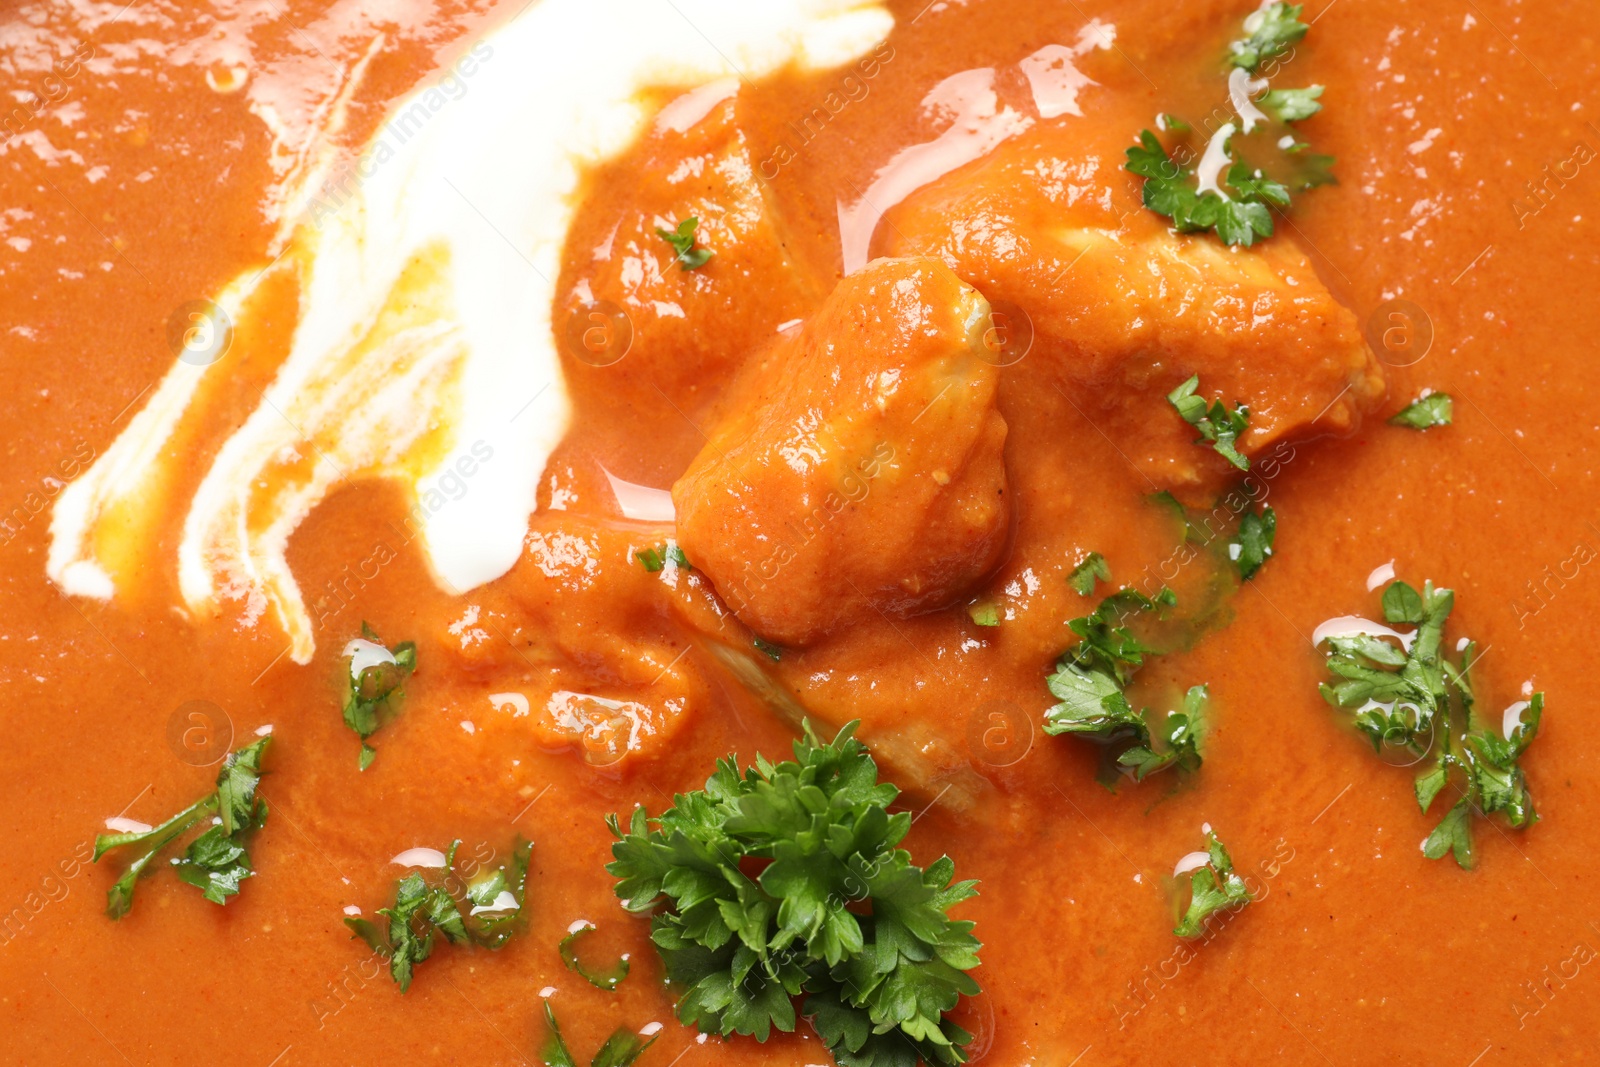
x,y
984,140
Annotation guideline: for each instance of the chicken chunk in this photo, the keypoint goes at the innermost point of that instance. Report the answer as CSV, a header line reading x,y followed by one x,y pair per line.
x,y
860,467
1123,310
577,649
639,330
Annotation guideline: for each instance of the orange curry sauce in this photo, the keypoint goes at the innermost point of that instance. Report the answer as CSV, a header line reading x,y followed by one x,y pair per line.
x,y
1464,137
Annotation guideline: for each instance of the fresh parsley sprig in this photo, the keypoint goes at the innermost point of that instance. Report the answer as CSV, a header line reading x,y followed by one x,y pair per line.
x,y
217,861
1213,886
368,698
1219,426
687,254
486,911
788,881
1091,679
1412,695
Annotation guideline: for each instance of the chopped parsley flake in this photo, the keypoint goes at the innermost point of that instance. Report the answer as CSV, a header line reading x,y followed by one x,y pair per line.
x,y
215,862
1219,427
656,559
621,1049
1171,189
369,698
768,649
1090,683
984,613
1428,410
486,911
687,254
1292,105
1250,547
1272,30
607,980
1093,568
1237,203
1417,699
1212,887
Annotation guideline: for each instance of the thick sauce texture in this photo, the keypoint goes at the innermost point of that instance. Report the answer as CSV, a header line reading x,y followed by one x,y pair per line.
x,y
856,463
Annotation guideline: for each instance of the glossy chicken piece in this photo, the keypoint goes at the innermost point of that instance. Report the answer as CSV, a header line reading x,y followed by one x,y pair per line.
x,y
859,470
580,647
1122,310
680,334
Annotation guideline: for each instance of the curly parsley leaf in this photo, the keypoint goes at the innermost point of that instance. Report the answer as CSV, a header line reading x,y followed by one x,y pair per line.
x,y
1428,410
1396,691
1180,734
837,913
1093,568
1171,190
686,253
1251,546
1410,694
1219,426
215,862
1091,679
486,911
608,979
372,690
1212,887
1270,32
1291,105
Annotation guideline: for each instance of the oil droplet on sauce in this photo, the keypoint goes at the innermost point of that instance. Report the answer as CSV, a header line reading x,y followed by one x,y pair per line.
x,y
227,78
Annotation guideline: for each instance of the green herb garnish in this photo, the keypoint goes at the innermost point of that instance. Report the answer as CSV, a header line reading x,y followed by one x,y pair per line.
x,y
216,862
1292,105
787,881
687,255
1093,568
984,613
656,559
607,980
1252,544
1271,31
1237,203
620,1049
1428,410
487,912
1417,699
768,649
1171,189
1091,679
1219,427
1396,692
367,702
1212,887
1179,733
